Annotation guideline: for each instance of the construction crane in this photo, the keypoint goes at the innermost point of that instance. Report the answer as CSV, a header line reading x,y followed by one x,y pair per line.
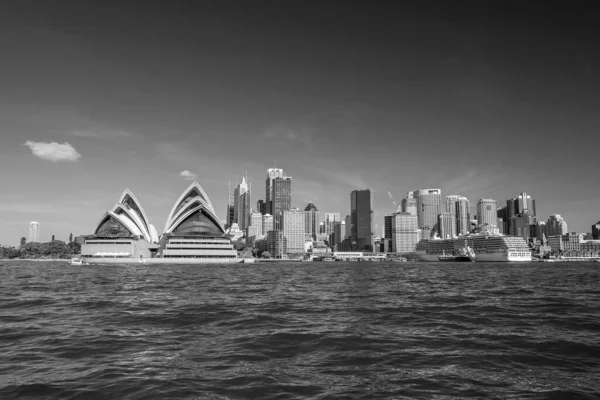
x,y
398,207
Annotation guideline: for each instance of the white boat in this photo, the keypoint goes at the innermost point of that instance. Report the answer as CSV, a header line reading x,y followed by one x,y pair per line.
x,y
77,261
487,248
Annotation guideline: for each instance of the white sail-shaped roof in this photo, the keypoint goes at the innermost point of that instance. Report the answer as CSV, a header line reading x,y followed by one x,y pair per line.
x,y
192,200
123,219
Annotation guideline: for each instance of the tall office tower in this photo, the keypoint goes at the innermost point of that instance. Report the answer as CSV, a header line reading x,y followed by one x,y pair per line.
x,y
500,225
596,231
409,204
340,232
267,223
34,232
447,225
256,221
230,213
272,173
293,229
405,232
540,230
518,205
330,220
387,225
556,225
361,215
428,208
241,204
348,221
261,207
487,212
311,223
523,225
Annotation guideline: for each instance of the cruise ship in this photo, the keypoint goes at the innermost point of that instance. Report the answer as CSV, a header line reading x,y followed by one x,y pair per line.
x,y
488,248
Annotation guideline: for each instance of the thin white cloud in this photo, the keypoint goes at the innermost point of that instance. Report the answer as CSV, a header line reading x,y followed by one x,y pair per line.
x,y
188,175
53,151
101,134
302,133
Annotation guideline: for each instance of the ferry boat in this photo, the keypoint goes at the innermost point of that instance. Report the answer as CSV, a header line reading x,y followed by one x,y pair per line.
x,y
487,247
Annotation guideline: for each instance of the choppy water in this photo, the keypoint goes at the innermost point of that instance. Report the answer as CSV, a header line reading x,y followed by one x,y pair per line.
x,y
322,331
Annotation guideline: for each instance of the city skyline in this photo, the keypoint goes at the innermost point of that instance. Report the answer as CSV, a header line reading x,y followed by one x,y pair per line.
x,y
191,92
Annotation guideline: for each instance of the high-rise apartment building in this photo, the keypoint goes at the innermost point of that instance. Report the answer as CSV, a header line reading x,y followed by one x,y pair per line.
x,y
387,225
294,230
312,221
405,232
487,212
241,204
409,204
447,225
428,208
34,232
361,215
556,225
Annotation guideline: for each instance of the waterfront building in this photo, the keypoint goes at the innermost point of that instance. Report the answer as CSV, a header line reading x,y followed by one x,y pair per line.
x,y
256,221
556,244
518,205
409,204
447,225
405,232
487,212
556,225
596,231
428,208
193,231
34,232
294,230
124,231
572,242
277,244
361,214
312,220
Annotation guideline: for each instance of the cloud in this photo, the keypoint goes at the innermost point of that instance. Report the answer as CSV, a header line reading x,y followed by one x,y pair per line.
x,y
188,175
302,133
101,134
53,151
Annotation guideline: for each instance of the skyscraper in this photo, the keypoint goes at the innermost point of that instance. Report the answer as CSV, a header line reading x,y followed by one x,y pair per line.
x,y
518,205
447,225
256,221
34,232
460,207
293,229
311,223
409,204
241,204
556,225
428,209
361,214
267,223
487,212
596,231
230,212
272,173
405,232
261,207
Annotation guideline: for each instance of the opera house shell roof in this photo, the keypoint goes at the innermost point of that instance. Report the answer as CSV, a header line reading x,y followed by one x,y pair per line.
x,y
127,218
193,215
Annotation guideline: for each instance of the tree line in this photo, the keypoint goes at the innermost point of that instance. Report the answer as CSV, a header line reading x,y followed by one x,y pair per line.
x,y
54,249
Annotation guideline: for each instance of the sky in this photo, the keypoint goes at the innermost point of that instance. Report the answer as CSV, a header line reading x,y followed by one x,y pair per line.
x,y
482,99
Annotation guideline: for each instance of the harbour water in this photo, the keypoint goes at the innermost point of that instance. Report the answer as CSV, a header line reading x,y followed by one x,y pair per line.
x,y
286,331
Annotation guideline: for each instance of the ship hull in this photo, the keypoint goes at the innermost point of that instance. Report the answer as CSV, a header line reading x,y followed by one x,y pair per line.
x,y
482,257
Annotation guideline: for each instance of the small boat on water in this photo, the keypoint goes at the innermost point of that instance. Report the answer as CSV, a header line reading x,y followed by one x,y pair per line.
x,y
77,261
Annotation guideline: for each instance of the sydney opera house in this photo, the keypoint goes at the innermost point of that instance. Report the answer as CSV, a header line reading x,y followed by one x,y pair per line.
x,y
192,234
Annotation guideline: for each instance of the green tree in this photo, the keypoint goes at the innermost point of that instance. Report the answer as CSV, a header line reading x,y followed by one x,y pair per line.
x,y
266,254
23,240
71,238
52,238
